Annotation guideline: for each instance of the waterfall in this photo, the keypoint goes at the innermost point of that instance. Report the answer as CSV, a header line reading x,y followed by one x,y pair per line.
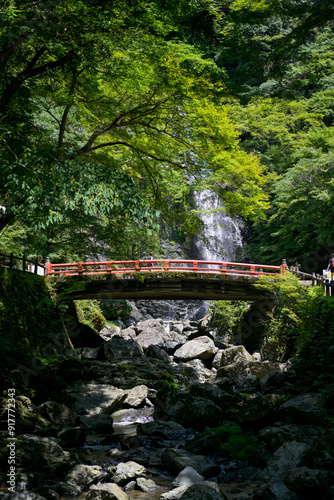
x,y
222,234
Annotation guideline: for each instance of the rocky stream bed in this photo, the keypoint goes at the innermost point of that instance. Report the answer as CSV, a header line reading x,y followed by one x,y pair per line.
x,y
172,412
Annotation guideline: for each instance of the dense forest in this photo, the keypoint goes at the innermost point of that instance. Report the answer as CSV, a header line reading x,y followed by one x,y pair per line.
x,y
114,112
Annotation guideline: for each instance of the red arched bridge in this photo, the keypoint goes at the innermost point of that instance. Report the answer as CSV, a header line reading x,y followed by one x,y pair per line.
x,y
161,279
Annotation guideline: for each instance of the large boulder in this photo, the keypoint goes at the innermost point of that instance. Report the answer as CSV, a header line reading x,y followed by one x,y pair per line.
x,y
158,429
119,348
84,475
305,482
188,410
278,434
100,423
200,348
290,455
306,408
233,363
214,393
128,471
41,453
136,396
152,332
92,399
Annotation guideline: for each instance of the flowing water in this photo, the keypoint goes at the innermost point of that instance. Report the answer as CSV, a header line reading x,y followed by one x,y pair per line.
x,y
222,235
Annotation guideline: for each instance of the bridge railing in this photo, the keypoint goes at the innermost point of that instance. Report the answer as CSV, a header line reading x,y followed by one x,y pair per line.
x,y
162,265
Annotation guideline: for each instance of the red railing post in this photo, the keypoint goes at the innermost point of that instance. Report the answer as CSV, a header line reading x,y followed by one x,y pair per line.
x,y
80,268
48,267
166,265
109,267
137,266
224,268
195,266
252,270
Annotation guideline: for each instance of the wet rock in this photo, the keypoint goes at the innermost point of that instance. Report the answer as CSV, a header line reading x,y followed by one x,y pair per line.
x,y
146,485
304,409
41,453
290,455
187,477
58,413
27,417
93,399
72,437
100,424
128,471
158,429
200,348
108,491
177,460
280,433
120,348
84,475
130,486
136,396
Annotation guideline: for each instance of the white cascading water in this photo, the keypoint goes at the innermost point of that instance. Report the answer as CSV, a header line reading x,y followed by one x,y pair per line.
x,y
222,233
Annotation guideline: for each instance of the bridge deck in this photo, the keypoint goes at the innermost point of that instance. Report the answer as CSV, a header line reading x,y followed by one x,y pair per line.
x,y
161,279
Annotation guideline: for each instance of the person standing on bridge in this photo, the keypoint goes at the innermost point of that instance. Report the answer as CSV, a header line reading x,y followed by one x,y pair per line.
x,y
330,266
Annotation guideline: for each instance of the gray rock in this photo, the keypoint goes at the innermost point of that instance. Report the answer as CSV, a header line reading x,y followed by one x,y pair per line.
x,y
93,399
187,477
101,423
206,490
72,437
157,429
305,481
174,494
304,409
236,355
255,407
84,475
136,396
68,489
203,374
280,433
212,392
200,348
152,332
89,352
262,368
249,385
58,413
217,359
20,495
177,460
155,352
110,331
274,491
146,485
188,410
290,455
108,491
120,348
128,471
41,453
